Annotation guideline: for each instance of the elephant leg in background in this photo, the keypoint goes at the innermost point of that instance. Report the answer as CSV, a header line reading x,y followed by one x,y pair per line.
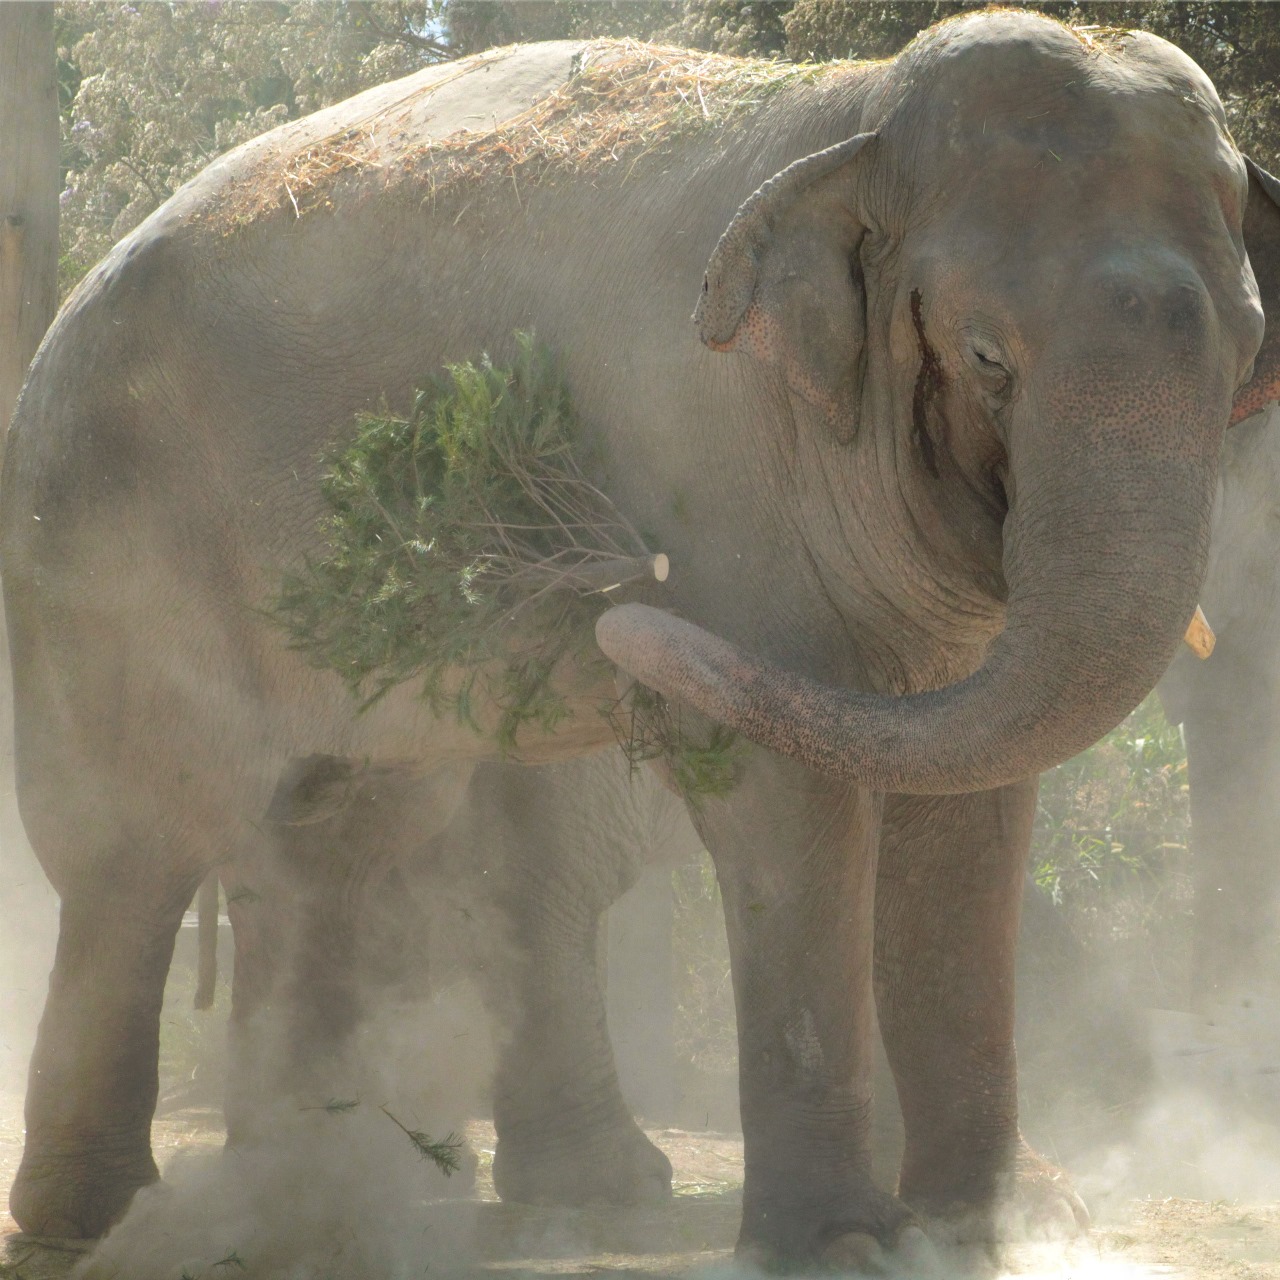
x,y
94,1079
565,1134
1233,754
1232,723
795,855
948,897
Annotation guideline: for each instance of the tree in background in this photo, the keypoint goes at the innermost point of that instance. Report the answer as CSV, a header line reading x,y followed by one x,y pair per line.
x,y
28,191
729,26
151,92
472,25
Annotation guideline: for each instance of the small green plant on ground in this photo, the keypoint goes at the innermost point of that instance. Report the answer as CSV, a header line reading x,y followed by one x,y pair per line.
x,y
441,1152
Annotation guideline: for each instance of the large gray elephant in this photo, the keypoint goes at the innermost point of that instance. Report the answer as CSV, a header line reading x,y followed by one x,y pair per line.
x,y
1229,708
937,524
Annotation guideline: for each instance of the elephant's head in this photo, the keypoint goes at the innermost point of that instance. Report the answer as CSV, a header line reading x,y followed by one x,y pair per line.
x,y
1031,277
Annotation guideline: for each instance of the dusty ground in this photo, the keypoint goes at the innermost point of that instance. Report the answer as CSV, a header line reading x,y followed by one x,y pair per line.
x,y
1154,1237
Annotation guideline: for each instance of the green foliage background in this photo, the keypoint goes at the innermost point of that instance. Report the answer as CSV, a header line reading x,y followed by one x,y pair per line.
x,y
1114,819
151,92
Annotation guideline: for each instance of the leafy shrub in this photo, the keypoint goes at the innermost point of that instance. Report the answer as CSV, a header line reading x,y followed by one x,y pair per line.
x,y
1111,841
461,542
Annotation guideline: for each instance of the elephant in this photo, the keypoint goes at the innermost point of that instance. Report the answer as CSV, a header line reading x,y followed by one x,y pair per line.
x,y
1229,708
510,896
519,882
515,890
933,471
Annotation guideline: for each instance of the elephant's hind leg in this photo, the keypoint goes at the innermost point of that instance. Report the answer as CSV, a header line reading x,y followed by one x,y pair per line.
x,y
94,1077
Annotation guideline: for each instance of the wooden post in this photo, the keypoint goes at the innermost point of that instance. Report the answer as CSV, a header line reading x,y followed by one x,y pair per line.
x,y
29,181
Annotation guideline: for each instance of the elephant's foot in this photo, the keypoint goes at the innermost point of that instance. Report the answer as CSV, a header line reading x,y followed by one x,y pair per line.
x,y
878,1235
912,1254
1044,1205
622,1168
1035,1202
72,1198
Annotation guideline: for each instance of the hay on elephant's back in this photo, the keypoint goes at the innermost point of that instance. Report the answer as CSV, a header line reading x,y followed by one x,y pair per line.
x,y
624,100
465,549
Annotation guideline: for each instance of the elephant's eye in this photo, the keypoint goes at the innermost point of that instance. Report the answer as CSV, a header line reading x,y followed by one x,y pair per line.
x,y
994,374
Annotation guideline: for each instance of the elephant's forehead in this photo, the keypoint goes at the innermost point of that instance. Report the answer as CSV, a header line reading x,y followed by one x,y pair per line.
x,y
1033,133
1022,77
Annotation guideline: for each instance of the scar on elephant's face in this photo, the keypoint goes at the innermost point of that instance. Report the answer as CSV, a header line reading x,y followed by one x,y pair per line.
x,y
929,383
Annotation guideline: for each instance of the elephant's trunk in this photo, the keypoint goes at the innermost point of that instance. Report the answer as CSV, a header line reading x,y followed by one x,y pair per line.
x,y
1103,568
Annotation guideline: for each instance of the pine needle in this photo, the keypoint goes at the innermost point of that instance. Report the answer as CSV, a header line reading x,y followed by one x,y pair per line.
x,y
699,764
335,1106
442,1153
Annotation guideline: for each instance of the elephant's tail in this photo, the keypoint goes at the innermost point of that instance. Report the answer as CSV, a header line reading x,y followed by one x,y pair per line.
x,y
207,940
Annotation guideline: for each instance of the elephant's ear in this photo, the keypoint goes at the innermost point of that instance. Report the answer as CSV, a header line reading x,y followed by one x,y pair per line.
x,y
784,284
1262,240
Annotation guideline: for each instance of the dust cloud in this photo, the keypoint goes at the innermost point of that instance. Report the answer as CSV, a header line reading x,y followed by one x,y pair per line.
x,y
28,934
1148,1110
329,1183
1209,1128
332,1194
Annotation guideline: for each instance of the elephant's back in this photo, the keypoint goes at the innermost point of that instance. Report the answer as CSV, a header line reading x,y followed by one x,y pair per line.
x,y
379,139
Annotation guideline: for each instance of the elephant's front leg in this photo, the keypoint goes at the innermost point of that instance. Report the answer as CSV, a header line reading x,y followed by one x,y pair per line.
x,y
948,898
795,855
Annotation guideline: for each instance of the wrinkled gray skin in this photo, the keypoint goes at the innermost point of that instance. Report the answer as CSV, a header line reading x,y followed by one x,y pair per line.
x,y
536,855
1229,707
912,553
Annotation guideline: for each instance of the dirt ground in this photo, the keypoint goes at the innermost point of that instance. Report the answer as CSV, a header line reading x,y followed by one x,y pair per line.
x,y
1203,1240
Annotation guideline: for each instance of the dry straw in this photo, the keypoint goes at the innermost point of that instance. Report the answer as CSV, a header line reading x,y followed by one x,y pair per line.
x,y
623,101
